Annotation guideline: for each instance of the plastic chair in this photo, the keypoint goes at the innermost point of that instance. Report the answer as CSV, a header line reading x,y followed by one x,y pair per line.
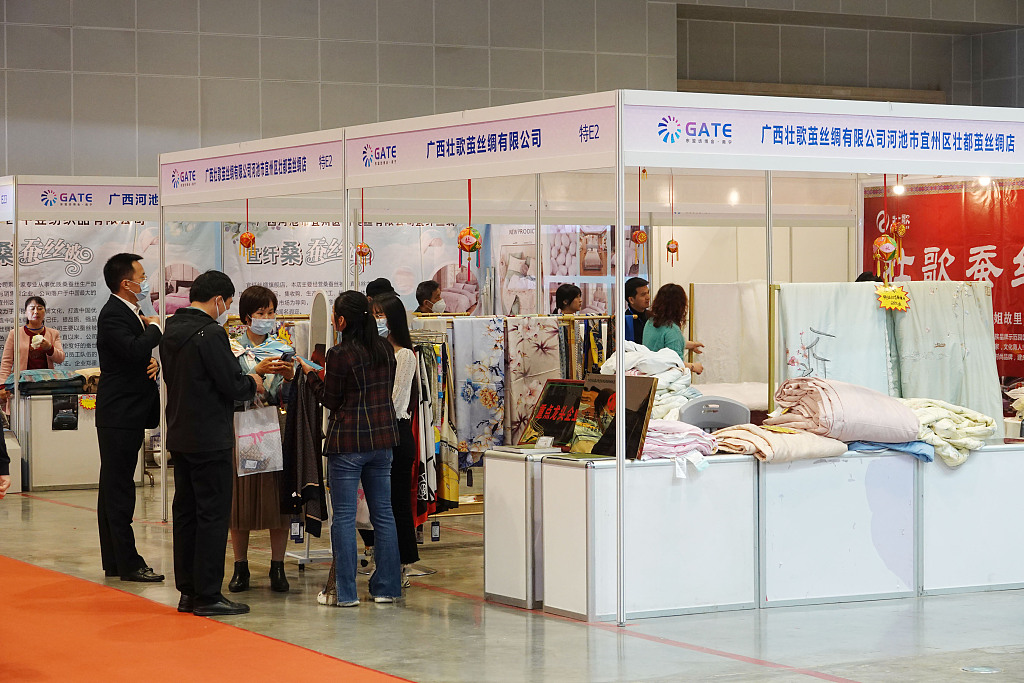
x,y
714,412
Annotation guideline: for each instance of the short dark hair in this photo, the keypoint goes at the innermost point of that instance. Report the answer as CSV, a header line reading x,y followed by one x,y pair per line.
x,y
670,306
210,285
38,299
633,284
565,295
117,268
868,276
381,285
253,299
425,291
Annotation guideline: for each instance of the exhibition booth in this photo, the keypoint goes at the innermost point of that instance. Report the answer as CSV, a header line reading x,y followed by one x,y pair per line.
x,y
766,202
63,230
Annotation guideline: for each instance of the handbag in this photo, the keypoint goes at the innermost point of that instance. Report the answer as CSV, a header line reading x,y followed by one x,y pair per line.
x,y
258,433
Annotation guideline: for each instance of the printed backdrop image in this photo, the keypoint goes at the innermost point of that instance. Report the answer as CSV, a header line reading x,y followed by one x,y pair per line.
x,y
962,231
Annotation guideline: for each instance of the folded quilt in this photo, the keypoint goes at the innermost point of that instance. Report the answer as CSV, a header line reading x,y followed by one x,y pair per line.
x,y
646,361
674,439
954,431
777,444
842,411
673,390
919,449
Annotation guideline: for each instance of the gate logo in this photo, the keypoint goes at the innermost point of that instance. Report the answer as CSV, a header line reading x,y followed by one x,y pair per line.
x,y
669,129
379,156
183,178
49,197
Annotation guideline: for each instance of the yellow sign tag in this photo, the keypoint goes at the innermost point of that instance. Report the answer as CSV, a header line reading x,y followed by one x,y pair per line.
x,y
780,430
892,298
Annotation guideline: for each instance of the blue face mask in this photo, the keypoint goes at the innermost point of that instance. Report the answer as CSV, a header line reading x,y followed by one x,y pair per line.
x,y
382,327
143,292
262,326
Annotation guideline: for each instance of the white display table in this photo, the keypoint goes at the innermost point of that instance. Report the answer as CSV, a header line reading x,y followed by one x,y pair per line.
x,y
691,543
837,529
512,529
14,451
60,459
972,522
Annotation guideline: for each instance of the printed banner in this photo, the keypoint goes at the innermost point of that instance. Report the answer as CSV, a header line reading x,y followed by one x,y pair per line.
x,y
138,202
962,231
831,136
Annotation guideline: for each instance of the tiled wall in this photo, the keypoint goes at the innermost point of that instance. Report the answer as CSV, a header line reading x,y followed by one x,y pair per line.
x,y
996,73
982,11
102,86
812,55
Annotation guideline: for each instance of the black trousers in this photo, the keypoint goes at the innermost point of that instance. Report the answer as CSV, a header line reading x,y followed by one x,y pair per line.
x,y
115,507
402,459
202,512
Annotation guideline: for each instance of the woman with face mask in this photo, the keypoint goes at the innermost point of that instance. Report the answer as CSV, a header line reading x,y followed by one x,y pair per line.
x,y
256,498
393,326
40,345
361,433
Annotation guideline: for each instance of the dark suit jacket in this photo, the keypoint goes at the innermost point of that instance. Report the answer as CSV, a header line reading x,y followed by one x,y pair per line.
x,y
126,397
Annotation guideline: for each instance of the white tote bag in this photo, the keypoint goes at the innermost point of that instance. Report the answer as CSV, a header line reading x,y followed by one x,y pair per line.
x,y
258,432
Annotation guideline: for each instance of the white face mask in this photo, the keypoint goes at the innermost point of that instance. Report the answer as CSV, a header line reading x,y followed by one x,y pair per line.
x,y
222,318
382,327
262,326
438,306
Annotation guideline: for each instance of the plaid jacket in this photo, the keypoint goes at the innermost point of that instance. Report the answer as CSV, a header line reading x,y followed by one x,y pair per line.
x,y
358,396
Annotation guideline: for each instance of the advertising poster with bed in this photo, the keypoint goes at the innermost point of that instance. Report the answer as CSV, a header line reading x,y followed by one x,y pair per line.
x,y
969,230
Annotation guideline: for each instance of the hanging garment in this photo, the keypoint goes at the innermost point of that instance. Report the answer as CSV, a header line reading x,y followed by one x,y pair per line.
x,y
731,320
564,354
479,366
532,360
302,450
835,331
423,427
944,345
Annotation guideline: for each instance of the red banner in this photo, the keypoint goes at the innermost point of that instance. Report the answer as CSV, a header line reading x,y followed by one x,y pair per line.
x,y
962,231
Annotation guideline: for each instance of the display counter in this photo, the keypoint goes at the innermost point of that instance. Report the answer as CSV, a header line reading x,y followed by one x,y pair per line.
x,y
837,529
14,451
971,533
513,572
691,544
60,459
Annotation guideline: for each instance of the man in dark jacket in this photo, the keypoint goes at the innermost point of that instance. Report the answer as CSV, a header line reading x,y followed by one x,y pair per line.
x,y
127,403
203,381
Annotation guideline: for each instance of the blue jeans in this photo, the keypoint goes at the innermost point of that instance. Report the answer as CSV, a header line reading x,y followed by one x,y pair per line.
x,y
374,468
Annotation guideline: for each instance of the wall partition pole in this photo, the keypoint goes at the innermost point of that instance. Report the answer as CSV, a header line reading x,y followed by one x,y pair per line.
x,y
16,416
161,265
346,245
769,240
620,376
541,308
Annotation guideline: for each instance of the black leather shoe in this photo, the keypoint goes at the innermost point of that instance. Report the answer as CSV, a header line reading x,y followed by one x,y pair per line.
x,y
110,573
240,579
278,581
221,608
143,575
187,603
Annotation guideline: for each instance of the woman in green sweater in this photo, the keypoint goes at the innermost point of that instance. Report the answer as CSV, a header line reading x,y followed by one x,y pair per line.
x,y
664,329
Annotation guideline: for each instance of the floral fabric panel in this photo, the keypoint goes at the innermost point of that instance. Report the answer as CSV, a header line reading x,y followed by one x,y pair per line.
x,y
478,355
533,359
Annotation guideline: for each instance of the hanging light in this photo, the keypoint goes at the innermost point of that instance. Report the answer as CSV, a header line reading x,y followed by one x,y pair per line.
x,y
984,181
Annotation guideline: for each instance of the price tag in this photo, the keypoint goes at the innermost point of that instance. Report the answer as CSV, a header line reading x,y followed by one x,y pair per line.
x,y
545,441
892,298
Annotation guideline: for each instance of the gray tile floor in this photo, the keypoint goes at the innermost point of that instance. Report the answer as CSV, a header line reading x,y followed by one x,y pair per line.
x,y
444,631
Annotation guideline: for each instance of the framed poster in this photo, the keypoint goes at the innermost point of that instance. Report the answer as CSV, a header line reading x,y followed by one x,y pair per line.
x,y
555,412
594,431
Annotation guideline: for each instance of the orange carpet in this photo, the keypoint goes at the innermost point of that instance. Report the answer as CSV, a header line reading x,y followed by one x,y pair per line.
x,y
54,627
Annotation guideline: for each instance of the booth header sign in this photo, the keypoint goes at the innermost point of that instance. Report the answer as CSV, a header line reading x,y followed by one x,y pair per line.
x,y
318,161
529,138
82,200
834,136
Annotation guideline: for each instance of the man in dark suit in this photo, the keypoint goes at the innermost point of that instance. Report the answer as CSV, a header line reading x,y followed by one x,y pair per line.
x,y
127,403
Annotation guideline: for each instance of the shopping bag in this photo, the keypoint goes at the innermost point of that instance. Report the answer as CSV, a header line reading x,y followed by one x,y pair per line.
x,y
258,432
362,511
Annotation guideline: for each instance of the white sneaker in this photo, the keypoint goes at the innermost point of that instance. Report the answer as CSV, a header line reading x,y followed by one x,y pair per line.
x,y
323,598
366,563
383,599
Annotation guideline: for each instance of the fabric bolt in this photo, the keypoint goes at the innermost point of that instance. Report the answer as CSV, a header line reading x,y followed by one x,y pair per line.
x,y
921,450
731,320
944,345
953,430
564,354
777,444
835,331
843,411
479,367
532,360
